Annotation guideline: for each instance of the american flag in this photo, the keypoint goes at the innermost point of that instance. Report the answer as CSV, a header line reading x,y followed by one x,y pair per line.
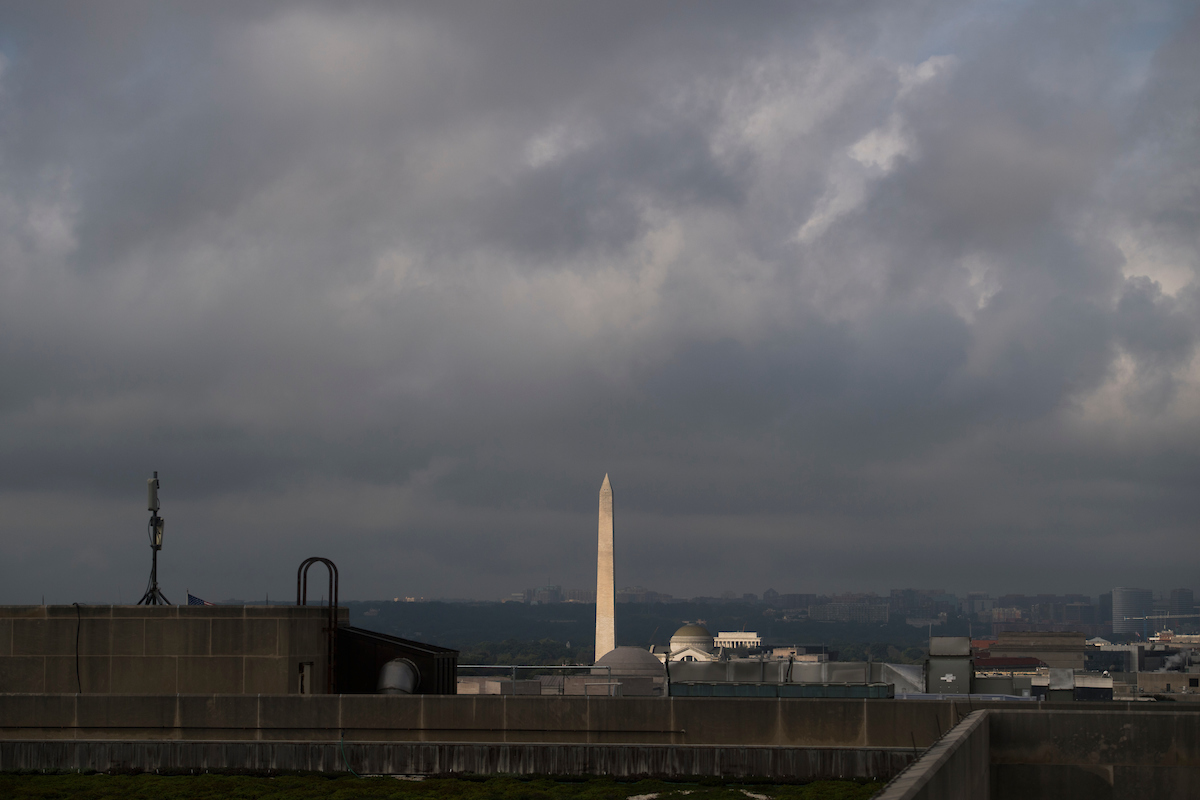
x,y
196,601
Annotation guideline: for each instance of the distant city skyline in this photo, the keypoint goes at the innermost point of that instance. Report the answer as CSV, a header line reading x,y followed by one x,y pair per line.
x,y
1120,612
567,595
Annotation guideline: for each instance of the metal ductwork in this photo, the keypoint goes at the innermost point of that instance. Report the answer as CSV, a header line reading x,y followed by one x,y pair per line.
x,y
399,676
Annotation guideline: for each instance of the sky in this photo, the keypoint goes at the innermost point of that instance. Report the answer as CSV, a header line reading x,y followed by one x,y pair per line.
x,y
841,295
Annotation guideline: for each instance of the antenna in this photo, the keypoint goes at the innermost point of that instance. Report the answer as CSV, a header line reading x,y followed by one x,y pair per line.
x,y
153,595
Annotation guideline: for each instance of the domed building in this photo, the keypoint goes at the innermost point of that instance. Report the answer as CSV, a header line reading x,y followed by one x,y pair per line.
x,y
625,662
692,642
632,672
692,635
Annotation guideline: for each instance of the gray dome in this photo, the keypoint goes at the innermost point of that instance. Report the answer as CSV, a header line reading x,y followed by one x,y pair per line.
x,y
692,635
630,661
692,629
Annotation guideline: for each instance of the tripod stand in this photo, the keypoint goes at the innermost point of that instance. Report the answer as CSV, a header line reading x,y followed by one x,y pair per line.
x,y
154,595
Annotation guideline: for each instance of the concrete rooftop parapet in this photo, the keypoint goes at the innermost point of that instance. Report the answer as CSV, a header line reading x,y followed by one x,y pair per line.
x,y
441,758
1003,751
478,718
1108,750
954,768
759,722
161,649
169,612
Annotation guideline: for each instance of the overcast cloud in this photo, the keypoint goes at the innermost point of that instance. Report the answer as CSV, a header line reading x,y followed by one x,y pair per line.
x,y
840,295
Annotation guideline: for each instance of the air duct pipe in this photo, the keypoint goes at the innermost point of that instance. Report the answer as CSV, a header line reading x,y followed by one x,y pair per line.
x,y
399,676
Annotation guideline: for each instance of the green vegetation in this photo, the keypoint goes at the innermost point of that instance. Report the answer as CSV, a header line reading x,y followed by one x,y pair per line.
x,y
101,786
514,651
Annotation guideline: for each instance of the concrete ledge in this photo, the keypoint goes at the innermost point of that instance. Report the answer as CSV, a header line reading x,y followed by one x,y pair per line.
x,y
954,768
748,722
1097,738
1076,782
445,758
169,612
1021,751
129,650
1095,754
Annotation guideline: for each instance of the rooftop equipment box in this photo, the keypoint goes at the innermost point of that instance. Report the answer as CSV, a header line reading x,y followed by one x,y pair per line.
x,y
950,646
949,675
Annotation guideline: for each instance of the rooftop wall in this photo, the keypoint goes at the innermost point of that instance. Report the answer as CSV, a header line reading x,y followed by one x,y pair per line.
x,y
955,768
410,758
1094,755
479,718
1101,753
161,649
1024,751
776,722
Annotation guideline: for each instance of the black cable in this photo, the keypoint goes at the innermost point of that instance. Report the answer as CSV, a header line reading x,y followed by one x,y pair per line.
x,y
146,597
150,580
78,682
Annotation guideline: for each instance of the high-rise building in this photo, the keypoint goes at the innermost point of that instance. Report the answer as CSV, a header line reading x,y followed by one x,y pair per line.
x,y
1130,607
1181,603
1083,613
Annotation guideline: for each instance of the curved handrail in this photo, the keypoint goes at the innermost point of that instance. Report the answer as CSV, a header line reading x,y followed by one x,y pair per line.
x,y
302,580
302,600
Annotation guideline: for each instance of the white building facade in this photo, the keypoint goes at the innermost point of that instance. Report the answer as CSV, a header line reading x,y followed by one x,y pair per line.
x,y
736,639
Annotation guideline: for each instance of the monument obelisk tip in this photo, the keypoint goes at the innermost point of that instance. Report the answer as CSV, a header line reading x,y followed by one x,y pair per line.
x,y
606,611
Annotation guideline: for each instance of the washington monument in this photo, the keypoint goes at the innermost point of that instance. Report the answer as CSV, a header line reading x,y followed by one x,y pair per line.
x,y
606,612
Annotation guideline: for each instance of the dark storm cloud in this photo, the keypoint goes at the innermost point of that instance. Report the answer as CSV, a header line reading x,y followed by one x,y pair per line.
x,y
840,296
595,199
